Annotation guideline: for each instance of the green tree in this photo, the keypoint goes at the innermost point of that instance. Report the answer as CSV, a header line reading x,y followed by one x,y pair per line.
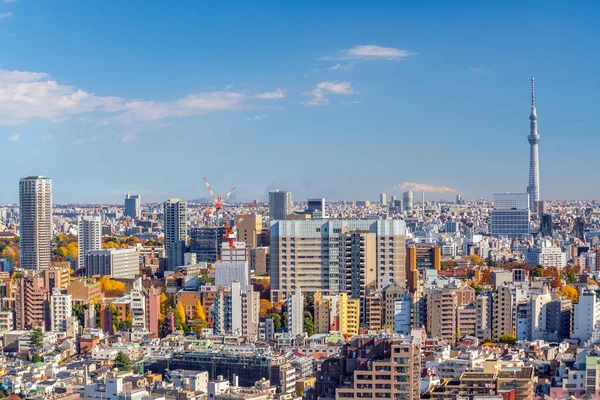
x,y
123,362
309,325
276,321
205,280
537,272
125,324
477,288
37,338
309,303
284,320
509,339
79,312
36,358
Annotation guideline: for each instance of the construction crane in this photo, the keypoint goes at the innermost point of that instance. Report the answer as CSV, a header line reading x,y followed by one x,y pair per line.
x,y
231,232
217,200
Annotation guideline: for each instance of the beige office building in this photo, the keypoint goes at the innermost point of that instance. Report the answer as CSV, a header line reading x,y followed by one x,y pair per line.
x,y
249,229
306,254
441,314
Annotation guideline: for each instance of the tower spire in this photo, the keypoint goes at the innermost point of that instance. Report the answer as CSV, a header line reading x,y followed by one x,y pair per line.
x,y
534,139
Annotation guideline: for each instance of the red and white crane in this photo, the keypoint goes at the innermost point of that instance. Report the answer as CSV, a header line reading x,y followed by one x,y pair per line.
x,y
231,232
217,200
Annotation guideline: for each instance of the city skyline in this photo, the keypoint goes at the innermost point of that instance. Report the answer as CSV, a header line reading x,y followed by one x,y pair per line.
x,y
346,94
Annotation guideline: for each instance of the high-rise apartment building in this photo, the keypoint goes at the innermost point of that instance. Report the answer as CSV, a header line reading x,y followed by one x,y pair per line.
x,y
348,313
89,236
32,304
306,254
441,314
407,201
534,161
280,205
133,207
35,210
358,263
382,367
61,310
175,227
510,216
546,255
138,306
546,228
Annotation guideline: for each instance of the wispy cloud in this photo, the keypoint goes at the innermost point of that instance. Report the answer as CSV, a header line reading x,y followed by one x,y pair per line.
x,y
479,70
258,117
372,52
422,187
35,95
6,15
43,137
323,89
276,94
15,137
129,137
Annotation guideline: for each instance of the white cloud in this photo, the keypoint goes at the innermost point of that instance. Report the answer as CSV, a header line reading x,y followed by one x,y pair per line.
x,y
44,137
479,70
373,52
422,187
276,94
6,15
258,117
319,94
15,137
28,95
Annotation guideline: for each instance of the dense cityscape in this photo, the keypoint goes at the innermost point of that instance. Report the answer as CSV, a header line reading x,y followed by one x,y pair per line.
x,y
400,298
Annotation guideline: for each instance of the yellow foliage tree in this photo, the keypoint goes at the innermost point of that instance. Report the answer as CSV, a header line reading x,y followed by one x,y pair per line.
x,y
61,252
265,306
164,307
124,246
199,312
73,250
570,292
475,259
181,311
108,284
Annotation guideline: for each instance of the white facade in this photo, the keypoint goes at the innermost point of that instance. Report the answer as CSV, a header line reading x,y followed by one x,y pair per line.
x,y
296,313
511,201
35,228
383,199
250,313
138,306
402,310
118,263
538,311
236,309
407,201
133,206
546,255
228,272
60,310
236,253
89,235
585,315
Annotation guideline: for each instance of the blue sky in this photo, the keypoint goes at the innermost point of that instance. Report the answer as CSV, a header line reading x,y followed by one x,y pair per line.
x,y
341,100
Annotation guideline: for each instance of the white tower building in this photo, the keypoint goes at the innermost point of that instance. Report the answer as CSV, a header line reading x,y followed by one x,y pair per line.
x,y
89,236
60,311
35,197
534,162
296,313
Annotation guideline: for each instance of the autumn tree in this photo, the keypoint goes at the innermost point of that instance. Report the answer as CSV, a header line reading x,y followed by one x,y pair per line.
x,y
554,276
486,277
265,306
111,285
180,320
570,293
475,259
164,306
199,312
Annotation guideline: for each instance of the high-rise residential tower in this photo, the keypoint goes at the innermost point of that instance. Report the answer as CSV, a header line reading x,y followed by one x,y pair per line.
x,y
407,201
175,225
89,236
534,162
280,204
133,206
35,196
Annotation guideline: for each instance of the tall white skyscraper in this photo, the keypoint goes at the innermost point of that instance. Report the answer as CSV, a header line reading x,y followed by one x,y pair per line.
x,y
296,313
35,197
383,199
60,310
534,162
280,204
175,226
133,206
89,236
